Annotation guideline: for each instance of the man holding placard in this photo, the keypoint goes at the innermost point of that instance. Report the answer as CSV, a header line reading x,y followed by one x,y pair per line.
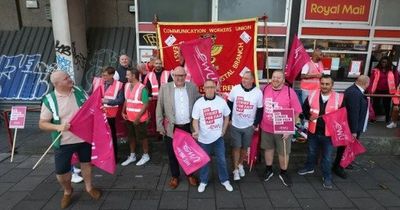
x,y
281,110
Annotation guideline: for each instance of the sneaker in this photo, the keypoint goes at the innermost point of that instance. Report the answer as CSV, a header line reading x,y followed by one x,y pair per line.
x,y
236,176
327,183
242,173
339,171
75,178
76,170
129,160
268,175
227,186
392,125
305,171
285,178
201,187
145,158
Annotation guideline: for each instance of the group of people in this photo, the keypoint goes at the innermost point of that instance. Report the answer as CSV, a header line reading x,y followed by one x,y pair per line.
x,y
149,94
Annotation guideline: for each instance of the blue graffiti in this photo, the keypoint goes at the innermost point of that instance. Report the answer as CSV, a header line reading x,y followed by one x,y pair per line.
x,y
22,77
63,63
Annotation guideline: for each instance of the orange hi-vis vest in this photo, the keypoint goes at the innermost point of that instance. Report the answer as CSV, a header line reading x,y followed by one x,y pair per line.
x,y
111,94
133,100
151,76
312,83
334,102
391,83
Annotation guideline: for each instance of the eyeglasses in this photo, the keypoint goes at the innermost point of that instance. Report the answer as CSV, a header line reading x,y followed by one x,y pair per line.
x,y
179,75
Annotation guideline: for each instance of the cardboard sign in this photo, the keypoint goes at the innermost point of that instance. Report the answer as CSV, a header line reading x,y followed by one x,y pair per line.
x,y
283,121
17,118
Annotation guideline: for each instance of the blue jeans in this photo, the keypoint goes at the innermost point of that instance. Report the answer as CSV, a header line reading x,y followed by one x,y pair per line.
x,y
314,143
219,151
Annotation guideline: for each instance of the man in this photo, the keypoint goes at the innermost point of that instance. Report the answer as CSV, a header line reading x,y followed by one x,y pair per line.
x,y
318,103
174,106
357,109
277,95
245,103
310,74
210,121
143,72
124,64
59,107
137,116
113,97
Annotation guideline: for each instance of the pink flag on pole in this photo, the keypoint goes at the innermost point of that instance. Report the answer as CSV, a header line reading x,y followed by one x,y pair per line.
x,y
352,150
253,149
197,54
190,155
90,124
338,126
296,60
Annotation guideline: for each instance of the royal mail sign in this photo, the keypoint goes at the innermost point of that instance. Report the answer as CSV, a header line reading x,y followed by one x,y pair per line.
x,y
337,10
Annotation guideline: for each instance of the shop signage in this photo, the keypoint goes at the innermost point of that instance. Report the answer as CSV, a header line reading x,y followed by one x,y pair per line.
x,y
338,10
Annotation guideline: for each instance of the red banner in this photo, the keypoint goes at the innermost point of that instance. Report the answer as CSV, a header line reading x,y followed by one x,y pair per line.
x,y
339,10
233,46
338,126
296,60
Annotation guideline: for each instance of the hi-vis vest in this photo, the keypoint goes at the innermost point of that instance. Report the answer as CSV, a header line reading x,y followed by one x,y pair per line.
x,y
151,76
133,100
50,101
312,83
334,102
391,83
111,94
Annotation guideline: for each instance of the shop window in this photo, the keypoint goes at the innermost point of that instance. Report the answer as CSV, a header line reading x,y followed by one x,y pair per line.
x,y
275,61
390,50
388,13
239,9
175,10
274,42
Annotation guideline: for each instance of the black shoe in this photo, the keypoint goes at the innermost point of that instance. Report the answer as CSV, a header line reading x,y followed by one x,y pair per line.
x,y
268,175
339,171
350,167
285,178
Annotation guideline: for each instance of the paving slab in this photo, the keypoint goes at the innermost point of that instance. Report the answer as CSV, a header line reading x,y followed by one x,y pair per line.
x,y
201,204
336,199
385,197
118,200
144,205
304,190
313,203
10,199
252,190
283,198
30,205
366,203
225,199
257,203
174,200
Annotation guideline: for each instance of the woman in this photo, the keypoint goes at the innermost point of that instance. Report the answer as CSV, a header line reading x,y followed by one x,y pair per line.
x,y
384,81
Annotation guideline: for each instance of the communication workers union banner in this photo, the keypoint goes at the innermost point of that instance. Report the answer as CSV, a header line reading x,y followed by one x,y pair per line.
x,y
233,46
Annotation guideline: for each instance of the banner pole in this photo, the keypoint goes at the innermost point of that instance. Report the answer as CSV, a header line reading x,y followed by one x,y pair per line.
x,y
13,145
285,152
266,45
44,154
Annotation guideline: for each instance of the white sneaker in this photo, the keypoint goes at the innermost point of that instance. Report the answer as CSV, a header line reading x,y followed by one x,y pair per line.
x,y
392,125
76,170
236,176
129,160
201,187
227,186
76,178
242,173
145,158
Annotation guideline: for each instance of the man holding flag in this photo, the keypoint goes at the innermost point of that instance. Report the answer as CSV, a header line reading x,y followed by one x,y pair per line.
x,y
310,74
59,107
318,103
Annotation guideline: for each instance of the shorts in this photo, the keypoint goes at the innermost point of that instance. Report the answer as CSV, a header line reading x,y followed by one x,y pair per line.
x,y
63,155
241,137
136,132
271,141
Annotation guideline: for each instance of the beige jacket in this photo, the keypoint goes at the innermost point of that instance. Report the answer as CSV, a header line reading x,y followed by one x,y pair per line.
x,y
165,111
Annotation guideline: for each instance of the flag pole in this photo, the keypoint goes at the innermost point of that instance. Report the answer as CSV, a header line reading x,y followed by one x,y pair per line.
x,y
284,153
13,145
265,18
44,154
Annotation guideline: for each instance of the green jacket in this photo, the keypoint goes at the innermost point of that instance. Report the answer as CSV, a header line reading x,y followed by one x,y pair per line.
x,y
50,101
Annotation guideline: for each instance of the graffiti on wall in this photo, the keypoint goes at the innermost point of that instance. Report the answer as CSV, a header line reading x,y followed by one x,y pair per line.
x,y
24,77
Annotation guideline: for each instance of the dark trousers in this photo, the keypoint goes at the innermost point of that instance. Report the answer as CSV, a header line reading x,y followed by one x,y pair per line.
x,y
385,102
339,153
173,162
111,122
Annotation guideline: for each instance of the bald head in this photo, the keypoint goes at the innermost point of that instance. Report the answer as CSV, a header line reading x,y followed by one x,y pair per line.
x,y
57,76
363,81
316,55
142,68
61,80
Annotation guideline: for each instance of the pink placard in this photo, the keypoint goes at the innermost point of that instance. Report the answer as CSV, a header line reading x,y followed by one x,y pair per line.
x,y
17,118
283,121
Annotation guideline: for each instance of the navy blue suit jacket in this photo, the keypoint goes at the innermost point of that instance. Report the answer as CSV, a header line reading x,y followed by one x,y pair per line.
x,y
357,107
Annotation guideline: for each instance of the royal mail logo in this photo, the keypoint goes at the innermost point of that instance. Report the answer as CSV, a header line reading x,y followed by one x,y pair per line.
x,y
211,115
343,10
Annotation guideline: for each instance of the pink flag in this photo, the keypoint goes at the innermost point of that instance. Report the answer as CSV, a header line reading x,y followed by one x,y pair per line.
x,y
190,155
90,124
197,54
296,60
352,150
338,126
253,149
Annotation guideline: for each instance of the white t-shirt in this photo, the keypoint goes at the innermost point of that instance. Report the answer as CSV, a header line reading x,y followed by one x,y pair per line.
x,y
210,114
306,67
245,105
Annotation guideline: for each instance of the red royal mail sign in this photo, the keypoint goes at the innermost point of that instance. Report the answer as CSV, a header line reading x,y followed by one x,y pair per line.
x,y
338,10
